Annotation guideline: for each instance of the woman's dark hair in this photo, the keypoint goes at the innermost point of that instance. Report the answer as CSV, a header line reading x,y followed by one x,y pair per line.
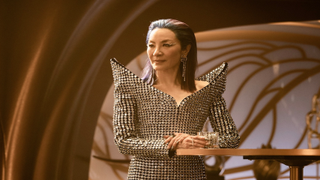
x,y
186,37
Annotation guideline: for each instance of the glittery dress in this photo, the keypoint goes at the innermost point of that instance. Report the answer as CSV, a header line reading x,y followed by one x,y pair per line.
x,y
144,114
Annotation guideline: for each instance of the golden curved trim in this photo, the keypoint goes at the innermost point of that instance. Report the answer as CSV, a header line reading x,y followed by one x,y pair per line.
x,y
276,98
313,133
253,34
238,169
299,24
270,45
112,160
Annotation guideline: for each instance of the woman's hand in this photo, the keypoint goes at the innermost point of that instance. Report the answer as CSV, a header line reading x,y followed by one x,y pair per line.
x,y
185,141
174,140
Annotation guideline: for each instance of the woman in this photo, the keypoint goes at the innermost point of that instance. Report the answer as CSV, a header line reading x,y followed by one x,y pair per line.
x,y
163,112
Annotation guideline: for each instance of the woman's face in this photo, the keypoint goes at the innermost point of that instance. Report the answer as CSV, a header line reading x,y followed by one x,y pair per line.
x,y
164,50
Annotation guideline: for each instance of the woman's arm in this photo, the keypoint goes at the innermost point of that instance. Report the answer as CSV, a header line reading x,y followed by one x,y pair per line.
x,y
126,136
223,123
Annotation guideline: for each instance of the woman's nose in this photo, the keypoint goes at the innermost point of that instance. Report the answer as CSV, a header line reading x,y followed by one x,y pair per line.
x,y
157,52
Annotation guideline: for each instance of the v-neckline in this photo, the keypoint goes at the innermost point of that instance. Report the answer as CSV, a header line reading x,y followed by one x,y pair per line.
x,y
183,99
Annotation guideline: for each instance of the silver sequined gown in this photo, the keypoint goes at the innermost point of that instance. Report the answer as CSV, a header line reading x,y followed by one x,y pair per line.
x,y
144,114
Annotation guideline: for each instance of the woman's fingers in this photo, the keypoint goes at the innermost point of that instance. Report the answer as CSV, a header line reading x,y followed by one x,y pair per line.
x,y
200,141
176,143
169,139
173,141
183,141
196,142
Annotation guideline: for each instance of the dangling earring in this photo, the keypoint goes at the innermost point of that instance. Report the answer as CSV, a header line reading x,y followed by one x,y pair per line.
x,y
184,67
154,77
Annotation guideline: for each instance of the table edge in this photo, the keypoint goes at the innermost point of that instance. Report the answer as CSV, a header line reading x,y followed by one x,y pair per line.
x,y
250,152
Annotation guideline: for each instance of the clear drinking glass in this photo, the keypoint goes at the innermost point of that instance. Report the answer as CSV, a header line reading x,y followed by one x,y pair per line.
x,y
213,140
204,134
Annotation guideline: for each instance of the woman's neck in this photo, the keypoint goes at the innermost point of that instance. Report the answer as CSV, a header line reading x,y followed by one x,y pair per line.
x,y
167,79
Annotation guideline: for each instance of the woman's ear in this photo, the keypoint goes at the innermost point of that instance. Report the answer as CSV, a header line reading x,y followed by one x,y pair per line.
x,y
186,50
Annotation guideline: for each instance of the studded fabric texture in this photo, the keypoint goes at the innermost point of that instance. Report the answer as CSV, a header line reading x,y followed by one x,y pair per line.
x,y
144,114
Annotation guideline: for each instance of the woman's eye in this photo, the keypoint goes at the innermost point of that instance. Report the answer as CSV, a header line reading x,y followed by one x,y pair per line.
x,y
150,45
167,45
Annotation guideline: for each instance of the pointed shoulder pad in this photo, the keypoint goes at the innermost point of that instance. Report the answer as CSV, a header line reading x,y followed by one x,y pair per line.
x,y
122,75
218,73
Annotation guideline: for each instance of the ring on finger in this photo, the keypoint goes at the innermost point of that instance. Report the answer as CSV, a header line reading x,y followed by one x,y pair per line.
x,y
177,142
192,141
